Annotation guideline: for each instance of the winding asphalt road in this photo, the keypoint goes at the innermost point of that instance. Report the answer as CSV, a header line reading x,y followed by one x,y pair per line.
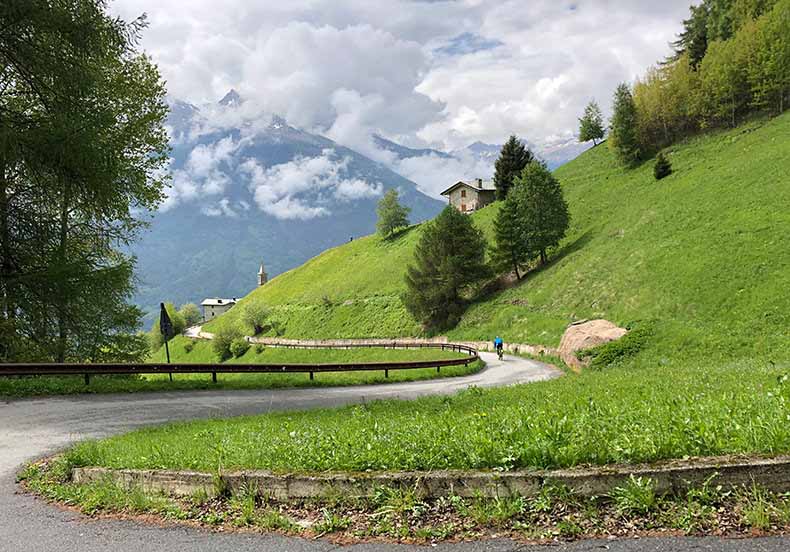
x,y
34,427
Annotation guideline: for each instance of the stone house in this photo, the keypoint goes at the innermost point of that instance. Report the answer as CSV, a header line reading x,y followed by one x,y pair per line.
x,y
215,306
471,196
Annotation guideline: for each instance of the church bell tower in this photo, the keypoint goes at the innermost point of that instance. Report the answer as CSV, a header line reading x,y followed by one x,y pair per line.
x,y
262,276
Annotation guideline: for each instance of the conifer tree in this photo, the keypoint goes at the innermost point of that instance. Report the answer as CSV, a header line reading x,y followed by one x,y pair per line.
x,y
694,38
83,158
449,262
391,214
512,160
623,135
663,167
591,124
542,209
513,248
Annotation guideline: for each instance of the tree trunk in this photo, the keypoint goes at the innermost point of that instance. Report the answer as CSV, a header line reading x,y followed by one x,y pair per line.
x,y
7,266
62,302
733,110
515,265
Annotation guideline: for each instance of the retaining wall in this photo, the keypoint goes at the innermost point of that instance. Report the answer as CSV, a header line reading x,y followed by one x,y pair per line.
x,y
670,478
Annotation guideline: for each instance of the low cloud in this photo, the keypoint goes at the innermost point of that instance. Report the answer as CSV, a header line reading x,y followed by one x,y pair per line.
x,y
205,173
302,188
434,174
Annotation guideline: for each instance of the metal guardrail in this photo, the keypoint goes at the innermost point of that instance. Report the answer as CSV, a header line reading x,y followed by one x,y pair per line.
x,y
88,370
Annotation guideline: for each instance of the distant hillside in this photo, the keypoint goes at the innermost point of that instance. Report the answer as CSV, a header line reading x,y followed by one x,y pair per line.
x,y
404,152
703,253
247,190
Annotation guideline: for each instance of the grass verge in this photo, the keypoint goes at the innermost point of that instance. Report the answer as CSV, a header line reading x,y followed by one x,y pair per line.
x,y
624,414
555,514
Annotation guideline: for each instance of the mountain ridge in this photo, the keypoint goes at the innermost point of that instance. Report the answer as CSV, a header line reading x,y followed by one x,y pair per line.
x,y
248,191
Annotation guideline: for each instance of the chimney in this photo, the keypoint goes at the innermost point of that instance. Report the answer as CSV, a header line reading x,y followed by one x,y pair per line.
x,y
480,183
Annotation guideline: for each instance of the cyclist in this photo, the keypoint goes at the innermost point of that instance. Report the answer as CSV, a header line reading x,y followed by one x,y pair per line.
x,y
499,346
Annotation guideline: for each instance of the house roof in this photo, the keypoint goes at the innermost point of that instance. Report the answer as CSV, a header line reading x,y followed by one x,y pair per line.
x,y
484,186
217,302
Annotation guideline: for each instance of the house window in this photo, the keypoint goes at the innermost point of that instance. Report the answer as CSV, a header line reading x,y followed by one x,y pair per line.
x,y
463,193
463,206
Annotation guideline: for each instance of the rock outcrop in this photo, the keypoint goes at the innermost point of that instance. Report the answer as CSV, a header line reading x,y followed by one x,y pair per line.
x,y
586,334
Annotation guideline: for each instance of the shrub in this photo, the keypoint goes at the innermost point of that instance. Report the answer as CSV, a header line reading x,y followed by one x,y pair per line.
x,y
627,346
259,348
223,340
662,168
155,338
188,346
191,314
256,315
239,346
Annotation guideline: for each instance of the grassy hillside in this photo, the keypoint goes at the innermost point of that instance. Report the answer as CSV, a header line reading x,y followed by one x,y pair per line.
x,y
703,254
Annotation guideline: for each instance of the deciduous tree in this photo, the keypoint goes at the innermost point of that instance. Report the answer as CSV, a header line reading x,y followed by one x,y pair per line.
x,y
391,214
256,315
191,314
591,124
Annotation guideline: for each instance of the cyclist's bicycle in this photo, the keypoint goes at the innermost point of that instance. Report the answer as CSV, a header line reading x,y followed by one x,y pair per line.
x,y
500,352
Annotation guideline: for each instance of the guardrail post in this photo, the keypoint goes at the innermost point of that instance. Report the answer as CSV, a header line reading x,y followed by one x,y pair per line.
x,y
87,379
311,376
213,377
438,369
386,373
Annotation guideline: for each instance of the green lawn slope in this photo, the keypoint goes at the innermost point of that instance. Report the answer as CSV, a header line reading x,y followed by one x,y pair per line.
x,y
703,255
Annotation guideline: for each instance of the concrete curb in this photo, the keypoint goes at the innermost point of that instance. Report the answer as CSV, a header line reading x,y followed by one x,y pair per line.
x,y
668,478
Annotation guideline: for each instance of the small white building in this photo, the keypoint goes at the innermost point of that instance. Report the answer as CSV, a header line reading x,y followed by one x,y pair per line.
x,y
215,306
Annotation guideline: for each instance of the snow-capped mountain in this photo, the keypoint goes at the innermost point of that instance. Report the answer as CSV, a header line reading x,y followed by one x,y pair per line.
x,y
247,189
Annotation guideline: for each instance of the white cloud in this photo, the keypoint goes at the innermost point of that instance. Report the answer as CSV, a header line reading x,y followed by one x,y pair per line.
x,y
220,208
349,190
443,74
204,174
300,188
434,174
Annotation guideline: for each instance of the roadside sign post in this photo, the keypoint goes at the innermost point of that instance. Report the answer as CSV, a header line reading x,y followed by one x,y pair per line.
x,y
166,329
